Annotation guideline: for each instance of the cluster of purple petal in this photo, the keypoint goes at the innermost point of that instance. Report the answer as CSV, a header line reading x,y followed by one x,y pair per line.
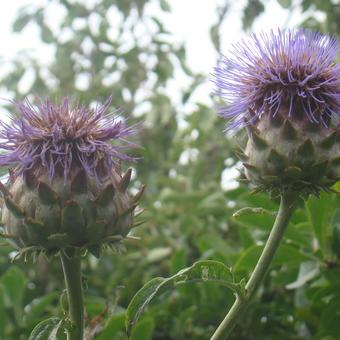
x,y
293,70
47,137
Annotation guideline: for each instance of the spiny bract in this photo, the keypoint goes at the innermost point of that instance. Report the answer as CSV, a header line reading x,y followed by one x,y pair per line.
x,y
285,88
283,154
65,188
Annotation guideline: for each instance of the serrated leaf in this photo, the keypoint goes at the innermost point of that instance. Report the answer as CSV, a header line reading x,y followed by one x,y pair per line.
x,y
201,271
46,330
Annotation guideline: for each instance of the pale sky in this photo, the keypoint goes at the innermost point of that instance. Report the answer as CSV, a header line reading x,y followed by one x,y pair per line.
x,y
189,21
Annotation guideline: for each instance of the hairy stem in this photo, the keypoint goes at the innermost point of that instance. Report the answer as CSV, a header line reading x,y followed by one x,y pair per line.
x,y
287,207
72,274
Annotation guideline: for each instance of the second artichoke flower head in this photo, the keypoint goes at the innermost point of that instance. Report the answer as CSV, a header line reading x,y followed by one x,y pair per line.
x,y
284,88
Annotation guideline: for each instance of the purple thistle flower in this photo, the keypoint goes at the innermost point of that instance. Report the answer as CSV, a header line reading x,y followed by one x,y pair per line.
x,y
293,72
47,138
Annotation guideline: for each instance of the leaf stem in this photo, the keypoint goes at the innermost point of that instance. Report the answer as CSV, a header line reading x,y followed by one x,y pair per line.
x,y
287,207
74,287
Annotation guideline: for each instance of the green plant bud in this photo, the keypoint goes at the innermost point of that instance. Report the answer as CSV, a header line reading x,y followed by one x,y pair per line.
x,y
294,155
49,215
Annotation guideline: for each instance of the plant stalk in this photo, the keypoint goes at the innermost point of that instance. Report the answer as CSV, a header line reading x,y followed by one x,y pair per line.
x,y
287,207
74,287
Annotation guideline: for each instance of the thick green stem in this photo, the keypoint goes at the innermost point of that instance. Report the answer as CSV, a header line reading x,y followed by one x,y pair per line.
x,y
72,274
287,207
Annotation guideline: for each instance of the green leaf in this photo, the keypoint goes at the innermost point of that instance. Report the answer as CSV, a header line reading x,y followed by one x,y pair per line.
x,y
332,274
113,327
143,330
181,55
330,319
319,213
215,36
14,286
178,260
38,306
253,9
336,233
212,244
2,313
290,256
286,255
165,5
201,271
46,330
21,21
46,34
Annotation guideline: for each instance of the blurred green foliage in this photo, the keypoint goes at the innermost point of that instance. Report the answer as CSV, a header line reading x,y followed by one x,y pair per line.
x,y
130,55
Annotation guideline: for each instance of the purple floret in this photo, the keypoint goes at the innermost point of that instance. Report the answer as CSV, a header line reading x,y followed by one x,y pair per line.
x,y
290,71
48,137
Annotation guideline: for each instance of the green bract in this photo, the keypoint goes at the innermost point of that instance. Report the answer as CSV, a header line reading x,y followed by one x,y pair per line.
x,y
291,154
44,215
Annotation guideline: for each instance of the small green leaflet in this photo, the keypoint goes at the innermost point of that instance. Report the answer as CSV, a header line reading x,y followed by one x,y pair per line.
x,y
201,271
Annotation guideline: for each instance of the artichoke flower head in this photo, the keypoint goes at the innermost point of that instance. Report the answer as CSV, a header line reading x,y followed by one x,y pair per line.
x,y
284,88
65,188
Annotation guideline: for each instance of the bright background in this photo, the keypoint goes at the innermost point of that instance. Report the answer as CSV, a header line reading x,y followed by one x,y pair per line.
x,y
188,22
